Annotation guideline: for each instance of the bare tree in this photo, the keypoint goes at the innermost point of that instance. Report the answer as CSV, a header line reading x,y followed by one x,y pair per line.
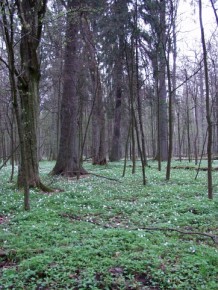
x,y
208,111
214,10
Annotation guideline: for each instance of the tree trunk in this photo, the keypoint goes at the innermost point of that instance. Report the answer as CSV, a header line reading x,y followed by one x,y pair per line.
x,y
170,147
98,127
26,106
196,141
179,136
98,110
115,153
216,102
208,111
68,160
162,86
31,15
139,102
171,86
163,119
29,115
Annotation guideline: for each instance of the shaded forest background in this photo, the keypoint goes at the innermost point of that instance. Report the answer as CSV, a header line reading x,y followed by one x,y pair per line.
x,y
103,80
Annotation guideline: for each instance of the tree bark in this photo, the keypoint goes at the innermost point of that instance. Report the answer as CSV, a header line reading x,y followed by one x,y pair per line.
x,y
98,127
68,160
208,111
115,153
25,86
31,15
170,147
163,152
98,110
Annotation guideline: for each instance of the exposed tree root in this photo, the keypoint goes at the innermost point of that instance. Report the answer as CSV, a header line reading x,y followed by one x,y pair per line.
x,y
45,188
68,173
100,162
39,185
77,174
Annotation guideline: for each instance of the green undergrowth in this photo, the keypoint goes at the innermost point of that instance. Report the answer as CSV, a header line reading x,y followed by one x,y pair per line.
x,y
98,233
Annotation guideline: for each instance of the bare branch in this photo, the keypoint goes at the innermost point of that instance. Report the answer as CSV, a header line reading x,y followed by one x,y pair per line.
x,y
214,10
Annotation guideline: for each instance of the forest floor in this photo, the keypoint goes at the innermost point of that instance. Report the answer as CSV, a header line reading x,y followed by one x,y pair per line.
x,y
100,233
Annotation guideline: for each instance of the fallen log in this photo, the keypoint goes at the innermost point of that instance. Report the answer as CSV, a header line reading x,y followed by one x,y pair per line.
x,y
194,168
109,226
102,176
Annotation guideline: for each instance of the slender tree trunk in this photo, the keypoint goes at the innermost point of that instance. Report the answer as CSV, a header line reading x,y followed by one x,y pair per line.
x,y
209,123
12,147
202,112
115,153
179,136
133,151
171,89
159,158
163,119
98,129
98,110
170,147
4,154
188,123
153,137
143,149
197,130
126,150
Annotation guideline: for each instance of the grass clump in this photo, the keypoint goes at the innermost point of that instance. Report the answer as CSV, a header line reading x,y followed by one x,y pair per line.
x,y
94,234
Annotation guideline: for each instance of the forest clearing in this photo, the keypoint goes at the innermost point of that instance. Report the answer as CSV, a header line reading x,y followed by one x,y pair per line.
x,y
97,233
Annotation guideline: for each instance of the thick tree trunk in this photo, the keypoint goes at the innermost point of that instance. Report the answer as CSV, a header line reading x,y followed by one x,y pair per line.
x,y
29,117
68,160
31,15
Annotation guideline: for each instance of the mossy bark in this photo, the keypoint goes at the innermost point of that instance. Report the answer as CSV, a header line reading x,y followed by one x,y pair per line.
x,y
31,14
